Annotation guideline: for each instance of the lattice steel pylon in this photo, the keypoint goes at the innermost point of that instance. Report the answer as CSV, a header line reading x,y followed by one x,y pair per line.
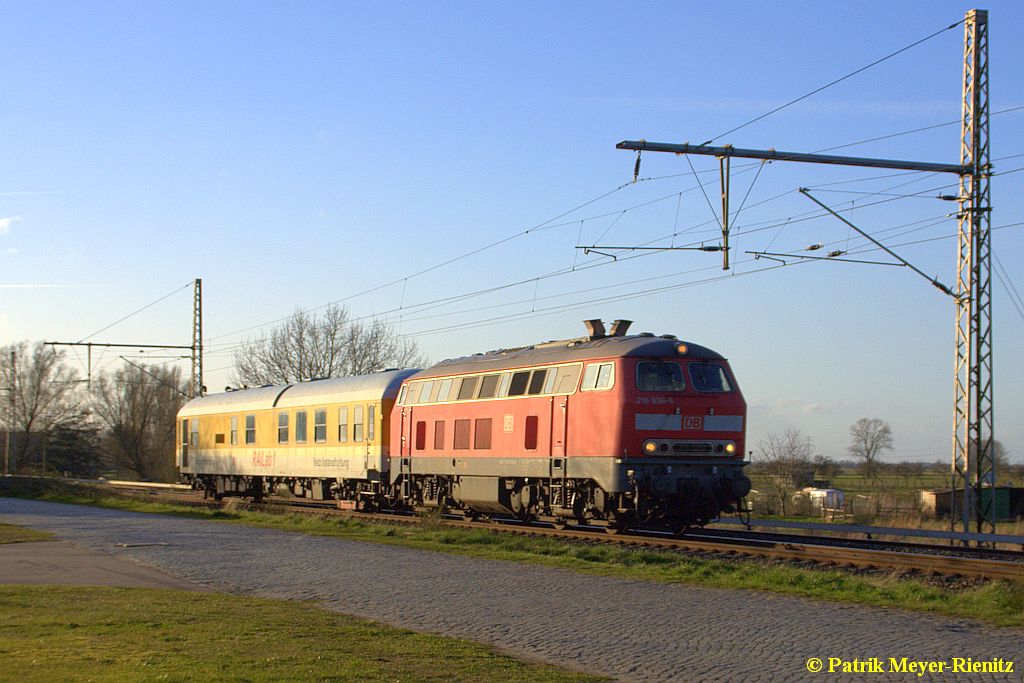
x,y
973,468
197,339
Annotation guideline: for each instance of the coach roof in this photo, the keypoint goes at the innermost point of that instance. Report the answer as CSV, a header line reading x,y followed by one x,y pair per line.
x,y
373,387
647,346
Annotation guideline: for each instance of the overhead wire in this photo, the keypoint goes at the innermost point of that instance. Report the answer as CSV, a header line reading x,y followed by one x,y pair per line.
x,y
834,82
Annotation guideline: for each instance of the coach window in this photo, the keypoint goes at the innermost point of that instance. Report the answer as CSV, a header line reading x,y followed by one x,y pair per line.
x,y
444,389
439,435
184,432
519,382
250,429
343,424
531,432
195,433
482,435
320,426
282,427
357,424
371,421
658,375
537,382
234,430
468,388
462,434
300,426
489,386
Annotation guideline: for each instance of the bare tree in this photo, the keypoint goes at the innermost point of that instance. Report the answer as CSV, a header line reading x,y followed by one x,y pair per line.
x,y
786,462
138,405
45,391
309,346
869,437
827,467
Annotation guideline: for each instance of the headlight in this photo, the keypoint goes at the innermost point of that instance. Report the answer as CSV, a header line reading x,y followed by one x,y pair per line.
x,y
730,447
681,348
650,447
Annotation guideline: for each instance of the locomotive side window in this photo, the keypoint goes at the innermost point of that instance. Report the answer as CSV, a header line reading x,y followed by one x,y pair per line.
x,y
421,435
517,387
234,430
424,395
371,419
444,389
482,436
357,423
320,426
531,432
709,377
343,424
598,377
567,378
300,426
506,378
468,388
250,429
439,435
656,375
537,382
462,434
489,386
282,427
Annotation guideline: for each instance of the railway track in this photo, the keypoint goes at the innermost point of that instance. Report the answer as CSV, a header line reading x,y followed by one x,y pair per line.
x,y
814,550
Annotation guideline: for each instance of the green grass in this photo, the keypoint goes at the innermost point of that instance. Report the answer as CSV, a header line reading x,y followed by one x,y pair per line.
x,y
996,602
50,633
17,534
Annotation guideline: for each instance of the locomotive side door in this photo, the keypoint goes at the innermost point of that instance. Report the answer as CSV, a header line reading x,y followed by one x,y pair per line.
x,y
559,415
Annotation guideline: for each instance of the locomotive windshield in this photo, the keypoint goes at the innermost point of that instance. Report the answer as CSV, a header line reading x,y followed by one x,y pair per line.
x,y
709,377
659,376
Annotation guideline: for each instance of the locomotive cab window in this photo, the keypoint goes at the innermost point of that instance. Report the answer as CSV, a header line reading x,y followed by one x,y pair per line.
x,y
598,377
489,386
468,388
537,382
709,377
443,389
519,382
659,376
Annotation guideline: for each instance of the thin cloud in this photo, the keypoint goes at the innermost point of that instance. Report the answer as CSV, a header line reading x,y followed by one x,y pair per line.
x,y
5,224
10,251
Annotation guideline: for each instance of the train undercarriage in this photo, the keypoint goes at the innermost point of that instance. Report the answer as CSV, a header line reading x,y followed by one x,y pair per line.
x,y
653,500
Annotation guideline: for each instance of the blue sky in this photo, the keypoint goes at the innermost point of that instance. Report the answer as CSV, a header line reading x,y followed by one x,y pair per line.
x,y
294,154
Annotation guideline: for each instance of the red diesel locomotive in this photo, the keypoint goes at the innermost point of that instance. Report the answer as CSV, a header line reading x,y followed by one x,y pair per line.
x,y
619,431
614,430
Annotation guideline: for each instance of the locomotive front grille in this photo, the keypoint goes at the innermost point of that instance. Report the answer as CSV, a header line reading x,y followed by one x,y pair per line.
x,y
691,447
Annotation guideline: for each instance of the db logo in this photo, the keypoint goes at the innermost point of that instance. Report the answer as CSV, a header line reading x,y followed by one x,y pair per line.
x,y
693,423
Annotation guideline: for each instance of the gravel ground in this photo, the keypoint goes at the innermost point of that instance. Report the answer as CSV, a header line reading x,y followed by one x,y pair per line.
x,y
632,630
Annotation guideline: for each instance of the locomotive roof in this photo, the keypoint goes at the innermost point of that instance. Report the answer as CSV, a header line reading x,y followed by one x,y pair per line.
x,y
373,387
645,345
